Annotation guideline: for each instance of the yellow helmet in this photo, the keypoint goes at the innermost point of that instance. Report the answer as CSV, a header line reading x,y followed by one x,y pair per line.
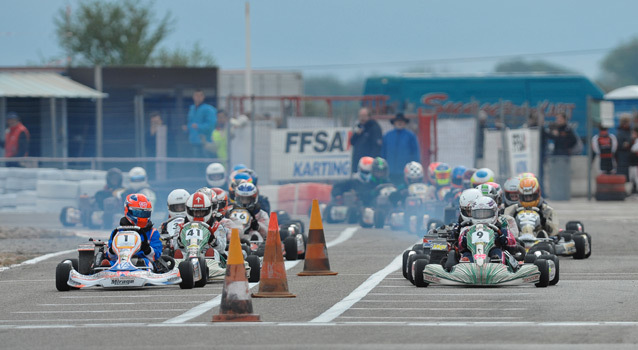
x,y
529,192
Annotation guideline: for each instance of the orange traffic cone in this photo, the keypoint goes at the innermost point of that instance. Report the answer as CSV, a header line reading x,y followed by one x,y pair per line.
x,y
273,282
236,305
316,262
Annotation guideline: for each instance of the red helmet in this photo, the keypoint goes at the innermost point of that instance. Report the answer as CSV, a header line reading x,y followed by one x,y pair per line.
x,y
222,200
431,175
199,207
138,209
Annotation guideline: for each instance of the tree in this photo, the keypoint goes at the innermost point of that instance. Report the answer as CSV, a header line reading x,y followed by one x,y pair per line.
x,y
182,58
620,66
519,65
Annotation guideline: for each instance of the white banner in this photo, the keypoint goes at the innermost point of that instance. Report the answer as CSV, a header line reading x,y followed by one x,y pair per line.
x,y
522,146
310,154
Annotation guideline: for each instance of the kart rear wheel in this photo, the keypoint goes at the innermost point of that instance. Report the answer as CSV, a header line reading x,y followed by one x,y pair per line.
x,y
451,260
302,256
411,259
255,268
203,269
404,264
186,272
62,272
352,215
543,246
580,241
74,263
573,226
419,266
588,254
379,219
86,259
543,267
555,259
290,246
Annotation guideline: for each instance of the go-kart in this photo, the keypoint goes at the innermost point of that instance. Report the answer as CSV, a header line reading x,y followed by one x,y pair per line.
x,y
571,242
290,231
129,271
414,216
483,269
434,249
378,215
345,208
197,261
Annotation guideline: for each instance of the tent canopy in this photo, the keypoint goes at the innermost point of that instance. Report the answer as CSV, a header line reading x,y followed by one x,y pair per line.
x,y
43,85
629,92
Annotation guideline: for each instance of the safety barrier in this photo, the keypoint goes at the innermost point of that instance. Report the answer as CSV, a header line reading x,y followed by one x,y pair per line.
x,y
297,198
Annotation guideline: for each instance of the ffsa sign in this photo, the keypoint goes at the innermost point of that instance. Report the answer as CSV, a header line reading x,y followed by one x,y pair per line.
x,y
310,154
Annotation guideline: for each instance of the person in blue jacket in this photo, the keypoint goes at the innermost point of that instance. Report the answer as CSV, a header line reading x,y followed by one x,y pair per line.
x,y
138,211
202,119
400,146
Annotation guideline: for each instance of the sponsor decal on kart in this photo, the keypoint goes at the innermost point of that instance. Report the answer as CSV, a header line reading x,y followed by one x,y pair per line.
x,y
439,247
122,282
533,278
432,279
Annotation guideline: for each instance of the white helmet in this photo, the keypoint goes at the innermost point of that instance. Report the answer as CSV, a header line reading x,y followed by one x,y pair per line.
x,y
413,173
137,178
467,198
482,176
216,175
492,190
484,211
510,193
199,207
176,202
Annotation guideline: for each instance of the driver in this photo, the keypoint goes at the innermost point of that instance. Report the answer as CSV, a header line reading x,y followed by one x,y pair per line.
x,y
137,212
138,183
176,203
485,211
246,195
360,184
199,208
529,197
412,174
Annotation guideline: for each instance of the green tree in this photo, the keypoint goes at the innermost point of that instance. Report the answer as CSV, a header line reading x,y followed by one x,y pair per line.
x,y
519,65
182,58
620,66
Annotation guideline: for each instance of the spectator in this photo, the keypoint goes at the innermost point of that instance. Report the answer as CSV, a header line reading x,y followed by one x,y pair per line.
x,y
366,139
400,147
16,141
151,139
633,161
562,135
202,119
604,145
219,146
624,145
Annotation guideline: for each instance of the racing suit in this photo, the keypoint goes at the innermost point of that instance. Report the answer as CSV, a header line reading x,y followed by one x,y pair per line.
x,y
549,222
151,248
504,240
218,233
403,192
364,190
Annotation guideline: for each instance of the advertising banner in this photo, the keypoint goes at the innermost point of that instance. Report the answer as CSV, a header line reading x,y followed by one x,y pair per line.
x,y
317,154
522,145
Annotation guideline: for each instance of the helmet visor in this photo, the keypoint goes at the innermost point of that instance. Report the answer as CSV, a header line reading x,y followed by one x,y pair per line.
x,y
511,196
198,212
140,213
466,211
529,197
177,208
245,201
216,177
138,178
481,214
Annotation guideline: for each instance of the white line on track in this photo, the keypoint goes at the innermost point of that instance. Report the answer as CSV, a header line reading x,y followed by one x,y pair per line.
x,y
100,296
439,309
91,311
452,294
20,281
427,318
38,259
440,301
136,303
62,320
198,310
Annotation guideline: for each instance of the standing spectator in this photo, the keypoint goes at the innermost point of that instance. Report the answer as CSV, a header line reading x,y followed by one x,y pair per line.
x,y
562,135
624,145
604,145
633,161
16,141
151,138
366,139
202,119
220,137
400,147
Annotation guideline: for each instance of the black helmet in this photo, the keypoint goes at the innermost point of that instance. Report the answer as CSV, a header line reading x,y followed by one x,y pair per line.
x,y
380,168
114,178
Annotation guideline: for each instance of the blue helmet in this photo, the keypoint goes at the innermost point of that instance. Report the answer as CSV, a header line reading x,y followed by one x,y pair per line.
x,y
239,167
246,195
457,176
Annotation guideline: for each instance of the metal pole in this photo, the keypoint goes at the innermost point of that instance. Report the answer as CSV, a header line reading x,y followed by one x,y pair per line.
x,y
64,131
503,166
99,137
588,143
248,81
252,132
54,128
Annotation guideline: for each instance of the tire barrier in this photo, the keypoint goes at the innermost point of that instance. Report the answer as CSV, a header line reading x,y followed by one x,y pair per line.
x,y
610,187
297,198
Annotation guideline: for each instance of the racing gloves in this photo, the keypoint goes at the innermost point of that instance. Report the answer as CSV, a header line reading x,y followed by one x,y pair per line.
x,y
146,247
254,224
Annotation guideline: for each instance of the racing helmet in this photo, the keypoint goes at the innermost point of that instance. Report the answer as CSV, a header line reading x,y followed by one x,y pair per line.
x,y
199,207
465,202
510,191
431,176
443,174
176,202
380,169
236,179
215,175
138,209
364,168
137,178
529,192
413,173
526,175
467,177
482,176
239,167
114,178
222,200
457,176
484,211
246,195
492,190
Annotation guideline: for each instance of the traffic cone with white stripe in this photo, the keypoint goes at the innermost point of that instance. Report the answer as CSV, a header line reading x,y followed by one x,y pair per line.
x,y
316,262
236,304
273,282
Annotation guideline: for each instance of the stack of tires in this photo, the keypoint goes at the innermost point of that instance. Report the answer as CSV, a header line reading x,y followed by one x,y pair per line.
x,y
610,187
296,199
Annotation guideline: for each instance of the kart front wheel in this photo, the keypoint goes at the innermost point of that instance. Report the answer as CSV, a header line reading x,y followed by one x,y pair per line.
x,y
404,264
290,246
411,260
554,258
255,268
419,266
203,270
62,272
543,267
581,246
186,272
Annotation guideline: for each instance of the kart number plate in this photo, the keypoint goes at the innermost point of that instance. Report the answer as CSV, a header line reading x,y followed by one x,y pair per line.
x,y
173,226
241,216
124,240
480,236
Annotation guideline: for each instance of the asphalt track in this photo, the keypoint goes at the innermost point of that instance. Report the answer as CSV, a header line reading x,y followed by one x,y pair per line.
x,y
368,304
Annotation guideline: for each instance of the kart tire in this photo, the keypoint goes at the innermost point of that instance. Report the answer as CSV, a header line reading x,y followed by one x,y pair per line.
x,y
352,215
543,246
580,240
411,259
186,272
62,272
529,258
203,268
543,267
379,219
75,264
261,249
255,268
327,214
63,215
567,236
404,264
555,259
290,246
419,266
588,254
573,226
451,261
86,259
302,256
417,247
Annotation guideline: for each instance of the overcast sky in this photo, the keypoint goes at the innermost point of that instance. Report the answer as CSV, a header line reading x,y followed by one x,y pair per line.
x,y
349,37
